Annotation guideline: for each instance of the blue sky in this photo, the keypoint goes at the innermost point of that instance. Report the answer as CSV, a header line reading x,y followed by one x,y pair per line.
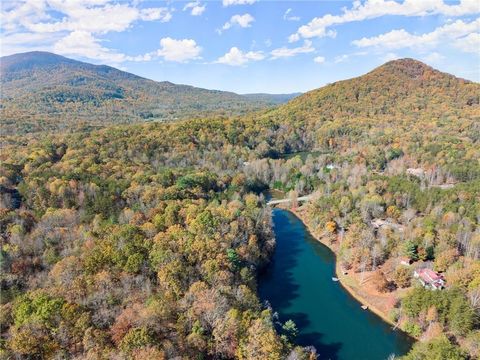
x,y
246,45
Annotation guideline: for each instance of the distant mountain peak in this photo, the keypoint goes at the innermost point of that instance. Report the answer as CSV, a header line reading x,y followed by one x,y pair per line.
x,y
406,62
41,88
39,53
403,88
407,66
32,59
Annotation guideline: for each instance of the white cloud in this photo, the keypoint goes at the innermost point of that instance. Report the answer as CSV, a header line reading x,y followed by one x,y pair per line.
x,y
82,43
196,8
237,2
469,43
347,57
371,9
25,38
162,14
236,57
99,19
178,50
23,42
16,15
289,52
70,27
289,17
319,59
397,39
243,21
433,58
341,58
390,56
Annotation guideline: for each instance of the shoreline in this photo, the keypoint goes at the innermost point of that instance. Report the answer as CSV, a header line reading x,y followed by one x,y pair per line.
x,y
351,290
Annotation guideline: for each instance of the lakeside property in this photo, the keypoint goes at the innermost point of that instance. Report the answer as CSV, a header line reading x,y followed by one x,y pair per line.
x,y
364,294
378,303
298,285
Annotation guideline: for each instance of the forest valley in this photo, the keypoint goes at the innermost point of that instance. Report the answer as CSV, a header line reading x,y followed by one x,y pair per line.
x,y
144,241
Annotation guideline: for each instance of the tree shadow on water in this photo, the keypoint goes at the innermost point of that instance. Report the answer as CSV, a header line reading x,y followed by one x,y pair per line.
x,y
278,285
313,338
276,282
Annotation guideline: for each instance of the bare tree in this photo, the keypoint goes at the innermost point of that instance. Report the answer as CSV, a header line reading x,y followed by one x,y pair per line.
x,y
474,297
293,196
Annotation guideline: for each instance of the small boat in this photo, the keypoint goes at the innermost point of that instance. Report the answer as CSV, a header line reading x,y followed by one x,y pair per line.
x,y
334,279
364,307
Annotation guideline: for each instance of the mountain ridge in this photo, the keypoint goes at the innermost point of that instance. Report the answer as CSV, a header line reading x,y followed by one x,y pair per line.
x,y
44,91
40,90
404,86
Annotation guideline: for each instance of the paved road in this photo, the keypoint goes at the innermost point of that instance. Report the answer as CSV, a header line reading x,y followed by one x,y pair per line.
x,y
283,201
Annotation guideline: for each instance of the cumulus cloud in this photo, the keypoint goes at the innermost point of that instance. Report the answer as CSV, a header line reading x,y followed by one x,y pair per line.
x,y
370,9
71,26
289,52
237,2
319,59
178,50
469,43
433,58
96,19
287,16
236,57
82,43
196,8
26,41
457,32
36,25
243,21
151,14
17,15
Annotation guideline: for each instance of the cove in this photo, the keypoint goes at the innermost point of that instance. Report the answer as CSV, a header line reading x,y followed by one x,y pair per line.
x,y
298,285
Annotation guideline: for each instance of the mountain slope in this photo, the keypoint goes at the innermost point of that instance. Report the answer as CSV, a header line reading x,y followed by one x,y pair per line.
x,y
41,90
403,101
399,88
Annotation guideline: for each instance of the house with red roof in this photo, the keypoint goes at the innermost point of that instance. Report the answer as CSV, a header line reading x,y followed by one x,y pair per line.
x,y
430,279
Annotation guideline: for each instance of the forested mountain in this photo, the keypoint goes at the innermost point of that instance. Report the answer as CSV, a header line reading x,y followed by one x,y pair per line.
x,y
396,99
404,88
44,91
143,241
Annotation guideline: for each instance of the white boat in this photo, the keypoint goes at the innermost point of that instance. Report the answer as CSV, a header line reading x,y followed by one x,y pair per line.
x,y
334,279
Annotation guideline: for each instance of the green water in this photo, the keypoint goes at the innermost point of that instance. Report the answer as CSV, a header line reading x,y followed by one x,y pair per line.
x,y
298,285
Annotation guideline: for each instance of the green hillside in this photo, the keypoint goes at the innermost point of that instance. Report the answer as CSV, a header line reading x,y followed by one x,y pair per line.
x,y
404,88
43,91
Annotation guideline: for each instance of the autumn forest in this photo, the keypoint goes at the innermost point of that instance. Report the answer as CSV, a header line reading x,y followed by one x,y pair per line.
x,y
144,239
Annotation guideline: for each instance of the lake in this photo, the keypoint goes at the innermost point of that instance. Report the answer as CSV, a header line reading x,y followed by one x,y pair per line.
x,y
298,285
